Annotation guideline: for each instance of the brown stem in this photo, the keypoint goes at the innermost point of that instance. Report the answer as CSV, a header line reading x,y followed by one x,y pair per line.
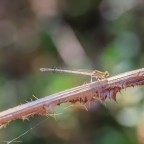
x,y
106,88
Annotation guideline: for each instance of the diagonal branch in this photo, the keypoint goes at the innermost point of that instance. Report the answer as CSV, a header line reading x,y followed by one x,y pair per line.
x,y
106,88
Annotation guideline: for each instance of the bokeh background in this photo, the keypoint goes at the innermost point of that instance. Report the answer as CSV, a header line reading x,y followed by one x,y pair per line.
x,y
73,34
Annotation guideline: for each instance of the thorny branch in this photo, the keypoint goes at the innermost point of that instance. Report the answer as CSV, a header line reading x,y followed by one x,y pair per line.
x,y
99,90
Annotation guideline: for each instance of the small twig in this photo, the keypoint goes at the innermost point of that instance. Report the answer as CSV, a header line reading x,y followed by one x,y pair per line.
x,y
106,88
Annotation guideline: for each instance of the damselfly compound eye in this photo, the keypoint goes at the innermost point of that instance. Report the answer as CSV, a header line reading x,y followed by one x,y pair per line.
x,y
106,73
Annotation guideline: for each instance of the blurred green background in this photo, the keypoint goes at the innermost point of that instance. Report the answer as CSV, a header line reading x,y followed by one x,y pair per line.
x,y
73,34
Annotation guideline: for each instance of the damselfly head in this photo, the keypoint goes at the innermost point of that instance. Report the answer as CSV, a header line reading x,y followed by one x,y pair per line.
x,y
106,73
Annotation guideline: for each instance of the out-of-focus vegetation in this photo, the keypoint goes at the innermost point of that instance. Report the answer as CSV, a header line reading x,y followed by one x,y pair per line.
x,y
79,34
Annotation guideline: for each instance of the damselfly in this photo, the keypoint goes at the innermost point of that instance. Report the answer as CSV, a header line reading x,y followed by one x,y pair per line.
x,y
96,74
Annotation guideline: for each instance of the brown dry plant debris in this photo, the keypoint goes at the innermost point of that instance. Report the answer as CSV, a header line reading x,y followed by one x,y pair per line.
x,y
99,90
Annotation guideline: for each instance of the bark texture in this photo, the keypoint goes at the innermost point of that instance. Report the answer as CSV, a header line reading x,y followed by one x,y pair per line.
x,y
99,90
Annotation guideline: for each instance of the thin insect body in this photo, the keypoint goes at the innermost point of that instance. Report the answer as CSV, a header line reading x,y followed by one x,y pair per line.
x,y
98,75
